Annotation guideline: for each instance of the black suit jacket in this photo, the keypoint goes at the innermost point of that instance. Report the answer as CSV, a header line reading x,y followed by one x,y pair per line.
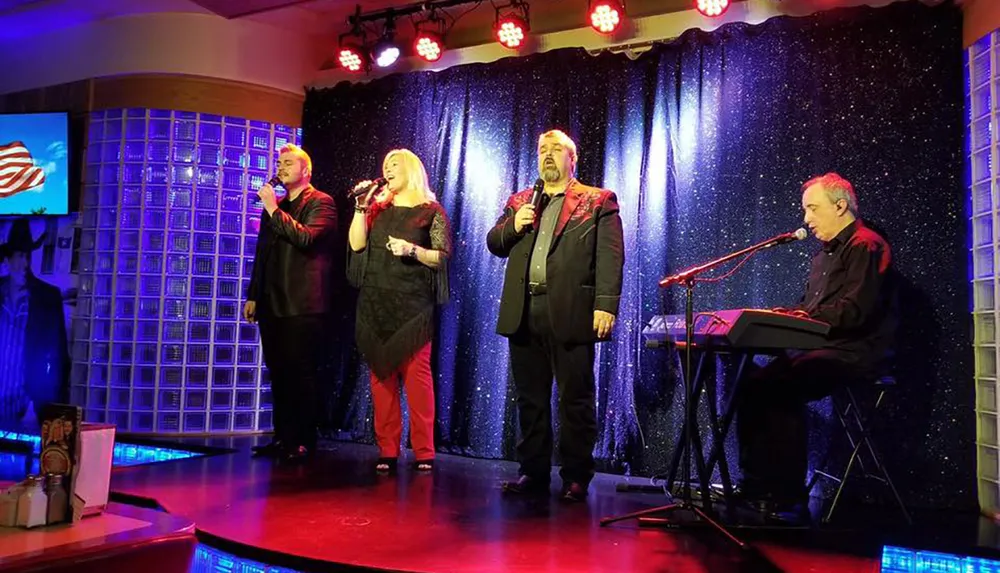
x,y
583,269
296,250
46,351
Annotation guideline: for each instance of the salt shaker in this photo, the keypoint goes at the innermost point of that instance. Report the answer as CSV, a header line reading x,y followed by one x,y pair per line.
x,y
8,508
32,503
56,494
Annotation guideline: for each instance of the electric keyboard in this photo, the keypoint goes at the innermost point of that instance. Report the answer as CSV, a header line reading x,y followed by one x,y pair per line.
x,y
739,329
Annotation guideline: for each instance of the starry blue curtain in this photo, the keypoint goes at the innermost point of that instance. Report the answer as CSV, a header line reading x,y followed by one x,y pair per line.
x,y
706,141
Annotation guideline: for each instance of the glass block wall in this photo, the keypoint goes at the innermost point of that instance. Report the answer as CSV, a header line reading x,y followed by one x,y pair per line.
x,y
168,228
982,144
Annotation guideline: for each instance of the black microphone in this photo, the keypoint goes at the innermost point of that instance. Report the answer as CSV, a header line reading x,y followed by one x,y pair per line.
x,y
274,181
537,194
378,182
796,235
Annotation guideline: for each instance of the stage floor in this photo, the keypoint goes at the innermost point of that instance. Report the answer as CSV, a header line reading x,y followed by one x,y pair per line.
x,y
337,510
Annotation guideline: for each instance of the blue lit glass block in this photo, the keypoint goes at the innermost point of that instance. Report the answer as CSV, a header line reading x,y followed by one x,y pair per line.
x,y
229,120
97,398
118,418
260,160
243,421
260,140
124,330
88,220
222,377
210,118
145,377
88,240
102,307
124,308
232,201
183,175
180,220
249,245
246,377
149,308
252,226
194,422
168,422
173,331
202,287
281,141
100,330
131,196
112,130
107,219
184,130
229,267
195,400
134,112
225,354
81,350
281,128
179,242
230,223
92,174
145,353
245,285
205,220
102,285
174,308
229,245
128,263
172,354
266,399
95,416
184,153
86,262
220,421
234,157
95,131
209,155
93,160
158,152
78,395
210,133
298,135
81,326
150,285
247,266
157,173
121,353
199,331
119,399
100,353
154,219
264,421
203,265
135,129
130,219
128,241
141,422
197,377
226,310
234,179
147,331
980,69
205,198
185,115
159,129
257,180
225,332
104,263
248,355
152,263
159,113
204,243
228,288
254,204
97,376
111,152
177,264
248,333
197,354
200,309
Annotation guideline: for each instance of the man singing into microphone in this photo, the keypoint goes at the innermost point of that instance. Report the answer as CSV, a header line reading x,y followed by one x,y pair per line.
x,y
560,296
290,297
850,289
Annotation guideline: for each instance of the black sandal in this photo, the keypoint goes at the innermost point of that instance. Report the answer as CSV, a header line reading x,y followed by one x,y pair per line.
x,y
423,465
385,465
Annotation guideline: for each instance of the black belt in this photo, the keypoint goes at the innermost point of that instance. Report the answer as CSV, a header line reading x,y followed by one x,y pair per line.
x,y
535,289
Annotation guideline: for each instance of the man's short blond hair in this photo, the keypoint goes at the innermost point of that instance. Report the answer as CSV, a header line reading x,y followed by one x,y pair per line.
x,y
298,152
563,140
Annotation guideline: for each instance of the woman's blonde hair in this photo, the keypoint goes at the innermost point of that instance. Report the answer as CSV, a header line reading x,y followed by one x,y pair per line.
x,y
416,174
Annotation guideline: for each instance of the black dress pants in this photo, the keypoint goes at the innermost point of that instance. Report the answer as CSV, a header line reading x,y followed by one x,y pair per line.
x,y
771,419
535,357
293,350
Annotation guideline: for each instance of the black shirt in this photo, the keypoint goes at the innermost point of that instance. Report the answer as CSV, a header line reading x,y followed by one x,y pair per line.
x,y
850,288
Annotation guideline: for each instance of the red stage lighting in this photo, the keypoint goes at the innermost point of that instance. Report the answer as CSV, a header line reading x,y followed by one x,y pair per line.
x,y
428,46
711,8
351,57
606,15
511,30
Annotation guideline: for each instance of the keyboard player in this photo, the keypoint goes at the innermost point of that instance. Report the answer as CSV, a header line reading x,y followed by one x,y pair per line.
x,y
849,288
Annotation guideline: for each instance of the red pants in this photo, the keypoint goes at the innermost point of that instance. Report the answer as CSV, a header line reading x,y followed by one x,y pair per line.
x,y
416,373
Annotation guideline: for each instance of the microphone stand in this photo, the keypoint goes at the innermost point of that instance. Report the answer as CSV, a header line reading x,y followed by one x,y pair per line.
x,y
685,501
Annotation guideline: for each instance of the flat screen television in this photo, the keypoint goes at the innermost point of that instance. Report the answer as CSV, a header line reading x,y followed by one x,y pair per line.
x,y
34,164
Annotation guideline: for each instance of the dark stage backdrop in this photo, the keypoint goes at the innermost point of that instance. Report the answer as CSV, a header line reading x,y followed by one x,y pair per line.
x,y
706,140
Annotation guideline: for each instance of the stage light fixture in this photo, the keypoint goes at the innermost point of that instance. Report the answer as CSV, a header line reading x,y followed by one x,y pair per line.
x,y
511,27
428,43
351,53
606,15
386,51
711,8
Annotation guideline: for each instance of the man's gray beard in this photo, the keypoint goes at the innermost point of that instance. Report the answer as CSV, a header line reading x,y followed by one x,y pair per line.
x,y
551,174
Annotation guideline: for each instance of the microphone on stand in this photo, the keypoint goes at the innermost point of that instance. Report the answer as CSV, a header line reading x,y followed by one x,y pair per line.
x,y
378,182
687,275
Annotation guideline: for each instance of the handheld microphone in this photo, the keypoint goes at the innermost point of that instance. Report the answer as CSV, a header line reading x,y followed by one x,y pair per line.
x,y
378,182
537,193
274,181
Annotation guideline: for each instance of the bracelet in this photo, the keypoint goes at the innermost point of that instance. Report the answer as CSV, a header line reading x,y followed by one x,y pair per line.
x,y
360,209
413,251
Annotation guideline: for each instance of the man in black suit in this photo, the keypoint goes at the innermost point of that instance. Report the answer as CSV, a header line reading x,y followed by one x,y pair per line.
x,y
561,292
290,295
34,355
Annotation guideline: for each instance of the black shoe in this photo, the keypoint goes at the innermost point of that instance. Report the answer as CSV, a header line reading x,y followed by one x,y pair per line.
x,y
574,492
270,450
386,465
526,485
297,455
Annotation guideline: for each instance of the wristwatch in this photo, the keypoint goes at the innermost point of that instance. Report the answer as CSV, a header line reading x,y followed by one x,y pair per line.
x,y
413,251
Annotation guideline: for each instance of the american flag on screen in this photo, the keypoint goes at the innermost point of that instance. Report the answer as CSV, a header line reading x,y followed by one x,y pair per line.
x,y
17,171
